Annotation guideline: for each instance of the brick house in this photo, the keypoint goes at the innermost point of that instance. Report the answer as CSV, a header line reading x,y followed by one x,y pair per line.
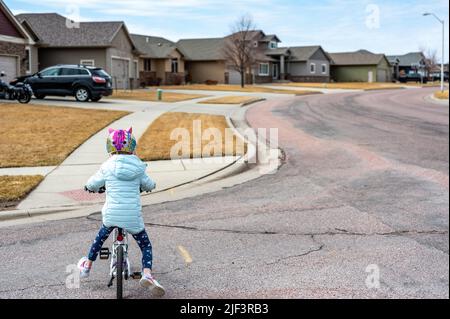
x,y
160,61
15,46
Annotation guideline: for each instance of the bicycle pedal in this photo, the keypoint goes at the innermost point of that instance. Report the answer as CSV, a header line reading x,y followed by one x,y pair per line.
x,y
104,253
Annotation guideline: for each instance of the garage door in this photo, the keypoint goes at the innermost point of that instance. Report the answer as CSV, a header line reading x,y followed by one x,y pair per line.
x,y
120,73
234,77
8,64
382,75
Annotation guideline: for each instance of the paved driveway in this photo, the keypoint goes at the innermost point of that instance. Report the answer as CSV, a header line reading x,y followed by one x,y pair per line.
x,y
359,209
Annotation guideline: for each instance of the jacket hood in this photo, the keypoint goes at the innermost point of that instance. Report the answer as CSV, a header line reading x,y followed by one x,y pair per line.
x,y
126,167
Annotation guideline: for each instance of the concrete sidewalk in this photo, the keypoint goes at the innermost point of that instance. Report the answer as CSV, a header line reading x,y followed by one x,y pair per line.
x,y
63,185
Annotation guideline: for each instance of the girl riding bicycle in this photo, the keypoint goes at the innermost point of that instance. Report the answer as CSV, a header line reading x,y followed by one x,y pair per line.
x,y
124,177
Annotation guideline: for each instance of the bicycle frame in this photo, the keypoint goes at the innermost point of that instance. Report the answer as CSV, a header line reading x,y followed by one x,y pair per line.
x,y
121,239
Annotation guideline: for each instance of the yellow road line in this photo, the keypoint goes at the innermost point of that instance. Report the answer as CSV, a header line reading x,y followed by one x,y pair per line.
x,y
185,254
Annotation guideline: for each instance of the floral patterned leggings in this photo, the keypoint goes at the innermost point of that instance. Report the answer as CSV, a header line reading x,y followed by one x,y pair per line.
x,y
142,240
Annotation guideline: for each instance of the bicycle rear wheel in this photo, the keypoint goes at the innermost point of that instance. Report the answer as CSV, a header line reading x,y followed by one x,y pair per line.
x,y
119,270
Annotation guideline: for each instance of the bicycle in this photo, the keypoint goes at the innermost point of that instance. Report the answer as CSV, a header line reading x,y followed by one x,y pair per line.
x,y
120,267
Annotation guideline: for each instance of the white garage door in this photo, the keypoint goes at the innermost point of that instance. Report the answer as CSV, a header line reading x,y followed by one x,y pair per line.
x,y
234,77
120,73
9,65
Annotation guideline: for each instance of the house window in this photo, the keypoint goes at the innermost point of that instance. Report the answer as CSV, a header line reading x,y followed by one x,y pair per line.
x,y
174,65
264,69
273,45
313,68
324,68
87,62
28,60
147,65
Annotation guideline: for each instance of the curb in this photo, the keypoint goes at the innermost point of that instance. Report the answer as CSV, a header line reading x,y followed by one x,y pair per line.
x,y
431,98
225,177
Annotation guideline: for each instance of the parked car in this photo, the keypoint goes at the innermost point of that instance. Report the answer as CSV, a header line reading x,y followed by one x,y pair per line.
x,y
437,77
83,82
413,77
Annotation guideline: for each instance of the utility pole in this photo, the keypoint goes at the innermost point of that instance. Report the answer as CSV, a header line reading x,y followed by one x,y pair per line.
x,y
443,46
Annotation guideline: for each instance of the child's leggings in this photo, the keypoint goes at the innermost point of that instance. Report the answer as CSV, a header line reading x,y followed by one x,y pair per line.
x,y
142,240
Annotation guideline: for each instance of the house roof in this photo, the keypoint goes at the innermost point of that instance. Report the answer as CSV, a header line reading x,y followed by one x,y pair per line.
x,y
153,47
361,57
412,58
270,37
209,49
17,29
304,53
277,51
51,30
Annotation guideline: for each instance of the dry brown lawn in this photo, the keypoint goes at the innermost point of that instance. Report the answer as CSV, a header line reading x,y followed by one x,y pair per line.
x,y
35,135
237,88
346,86
156,143
14,188
441,95
146,95
232,100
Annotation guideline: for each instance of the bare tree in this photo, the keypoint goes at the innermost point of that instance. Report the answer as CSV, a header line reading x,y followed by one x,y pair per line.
x,y
431,58
238,48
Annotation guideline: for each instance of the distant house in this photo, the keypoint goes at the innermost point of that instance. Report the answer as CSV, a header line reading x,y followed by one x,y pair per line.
x,y
360,66
308,64
414,62
15,46
205,61
160,61
104,44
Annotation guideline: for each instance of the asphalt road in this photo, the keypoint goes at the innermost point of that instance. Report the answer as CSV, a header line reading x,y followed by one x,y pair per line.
x,y
363,194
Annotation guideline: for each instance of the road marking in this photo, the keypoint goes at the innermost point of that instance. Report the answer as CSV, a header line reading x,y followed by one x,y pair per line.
x,y
185,254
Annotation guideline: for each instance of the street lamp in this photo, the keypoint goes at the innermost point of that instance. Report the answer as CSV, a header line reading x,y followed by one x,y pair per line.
x,y
443,46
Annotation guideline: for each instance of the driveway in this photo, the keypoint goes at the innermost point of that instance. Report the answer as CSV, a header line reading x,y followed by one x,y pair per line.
x,y
358,210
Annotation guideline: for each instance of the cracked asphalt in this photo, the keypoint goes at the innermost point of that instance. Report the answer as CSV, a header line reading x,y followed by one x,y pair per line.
x,y
364,185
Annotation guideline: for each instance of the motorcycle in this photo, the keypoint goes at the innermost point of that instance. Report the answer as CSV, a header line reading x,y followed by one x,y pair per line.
x,y
21,92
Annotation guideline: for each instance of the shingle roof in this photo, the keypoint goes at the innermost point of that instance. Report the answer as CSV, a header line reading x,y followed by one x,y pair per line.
x,y
202,49
277,51
356,58
51,30
153,47
412,58
303,53
270,37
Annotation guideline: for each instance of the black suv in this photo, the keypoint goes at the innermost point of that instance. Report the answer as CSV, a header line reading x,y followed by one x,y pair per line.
x,y
83,82
413,77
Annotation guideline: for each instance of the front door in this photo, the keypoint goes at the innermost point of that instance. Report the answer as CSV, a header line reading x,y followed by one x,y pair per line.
x,y
276,71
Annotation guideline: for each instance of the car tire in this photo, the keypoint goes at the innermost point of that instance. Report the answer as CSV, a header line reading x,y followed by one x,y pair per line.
x,y
82,94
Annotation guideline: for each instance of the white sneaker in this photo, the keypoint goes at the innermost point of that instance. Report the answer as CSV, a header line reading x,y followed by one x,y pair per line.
x,y
147,281
83,267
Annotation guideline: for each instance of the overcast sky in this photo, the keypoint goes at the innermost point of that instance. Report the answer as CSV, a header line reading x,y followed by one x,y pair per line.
x,y
381,26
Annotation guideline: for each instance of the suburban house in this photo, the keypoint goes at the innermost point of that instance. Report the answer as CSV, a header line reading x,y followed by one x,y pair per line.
x,y
308,64
413,62
15,46
160,61
360,66
108,45
205,61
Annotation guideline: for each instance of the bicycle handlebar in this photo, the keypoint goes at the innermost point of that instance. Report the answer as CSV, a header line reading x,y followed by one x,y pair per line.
x,y
103,190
